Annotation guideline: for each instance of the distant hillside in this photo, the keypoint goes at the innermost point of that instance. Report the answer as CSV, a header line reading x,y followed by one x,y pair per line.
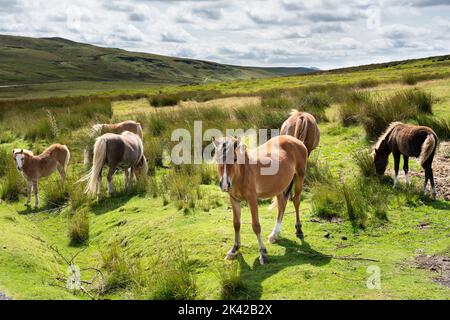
x,y
26,60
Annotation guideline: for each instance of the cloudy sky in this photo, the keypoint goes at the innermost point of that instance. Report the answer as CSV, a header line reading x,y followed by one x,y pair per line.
x,y
320,33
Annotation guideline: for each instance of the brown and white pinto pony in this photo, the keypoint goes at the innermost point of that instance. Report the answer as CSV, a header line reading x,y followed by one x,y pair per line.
x,y
410,141
32,168
303,126
117,128
248,175
119,151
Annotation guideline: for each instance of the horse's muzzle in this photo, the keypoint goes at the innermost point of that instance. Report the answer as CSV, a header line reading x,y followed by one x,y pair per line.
x,y
225,184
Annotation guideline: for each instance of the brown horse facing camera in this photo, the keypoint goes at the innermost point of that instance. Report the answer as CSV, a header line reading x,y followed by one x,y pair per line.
x,y
32,168
270,170
303,126
409,141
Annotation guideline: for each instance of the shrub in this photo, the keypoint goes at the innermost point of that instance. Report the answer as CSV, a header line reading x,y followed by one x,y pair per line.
x,y
5,159
230,281
154,151
79,228
175,279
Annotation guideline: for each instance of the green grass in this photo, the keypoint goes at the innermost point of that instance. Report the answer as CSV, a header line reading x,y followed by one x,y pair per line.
x,y
147,247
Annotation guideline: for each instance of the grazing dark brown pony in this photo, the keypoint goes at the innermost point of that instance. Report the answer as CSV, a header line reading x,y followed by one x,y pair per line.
x,y
270,170
410,141
117,128
32,168
303,126
124,151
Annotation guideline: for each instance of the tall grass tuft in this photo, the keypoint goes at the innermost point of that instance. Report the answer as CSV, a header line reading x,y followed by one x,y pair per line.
x,y
55,192
409,79
176,279
12,184
365,162
440,126
79,228
327,201
121,271
182,186
230,281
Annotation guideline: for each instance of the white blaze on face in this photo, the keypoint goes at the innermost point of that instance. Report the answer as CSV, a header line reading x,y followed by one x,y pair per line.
x,y
19,160
224,180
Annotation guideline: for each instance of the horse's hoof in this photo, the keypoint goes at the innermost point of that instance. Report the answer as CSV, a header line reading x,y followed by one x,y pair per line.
x,y
230,256
272,239
300,235
263,259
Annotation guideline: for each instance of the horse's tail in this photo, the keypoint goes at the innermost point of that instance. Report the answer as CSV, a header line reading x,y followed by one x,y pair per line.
x,y
301,128
97,165
139,131
428,148
286,194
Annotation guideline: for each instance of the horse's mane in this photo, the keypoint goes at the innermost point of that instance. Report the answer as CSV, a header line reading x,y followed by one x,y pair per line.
x,y
385,134
293,111
28,152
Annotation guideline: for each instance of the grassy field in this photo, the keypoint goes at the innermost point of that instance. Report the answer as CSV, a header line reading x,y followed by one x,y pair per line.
x,y
155,244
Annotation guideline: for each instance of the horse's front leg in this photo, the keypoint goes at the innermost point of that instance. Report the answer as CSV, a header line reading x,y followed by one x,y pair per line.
x,y
253,204
29,191
396,155
236,206
36,196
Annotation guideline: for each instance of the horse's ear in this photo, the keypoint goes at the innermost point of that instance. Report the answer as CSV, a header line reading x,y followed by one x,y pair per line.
x,y
21,150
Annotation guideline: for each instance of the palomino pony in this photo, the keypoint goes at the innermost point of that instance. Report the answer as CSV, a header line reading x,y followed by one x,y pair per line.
x,y
246,175
119,151
409,141
303,126
117,128
55,157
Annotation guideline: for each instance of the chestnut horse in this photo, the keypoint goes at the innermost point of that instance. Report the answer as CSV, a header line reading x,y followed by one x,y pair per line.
x,y
102,128
119,151
270,170
55,157
303,126
410,141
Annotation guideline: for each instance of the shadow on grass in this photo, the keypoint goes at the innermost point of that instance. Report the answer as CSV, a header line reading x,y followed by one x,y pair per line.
x,y
253,276
108,204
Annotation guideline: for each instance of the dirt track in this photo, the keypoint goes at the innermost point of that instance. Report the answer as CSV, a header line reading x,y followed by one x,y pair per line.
x,y
441,170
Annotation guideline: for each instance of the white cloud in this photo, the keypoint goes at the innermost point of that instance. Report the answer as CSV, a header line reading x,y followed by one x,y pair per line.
x,y
322,33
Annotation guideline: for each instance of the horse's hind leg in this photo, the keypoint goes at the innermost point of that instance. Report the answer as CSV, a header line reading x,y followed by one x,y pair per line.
x,y
36,196
110,180
429,176
99,185
127,179
62,172
297,197
282,201
406,168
